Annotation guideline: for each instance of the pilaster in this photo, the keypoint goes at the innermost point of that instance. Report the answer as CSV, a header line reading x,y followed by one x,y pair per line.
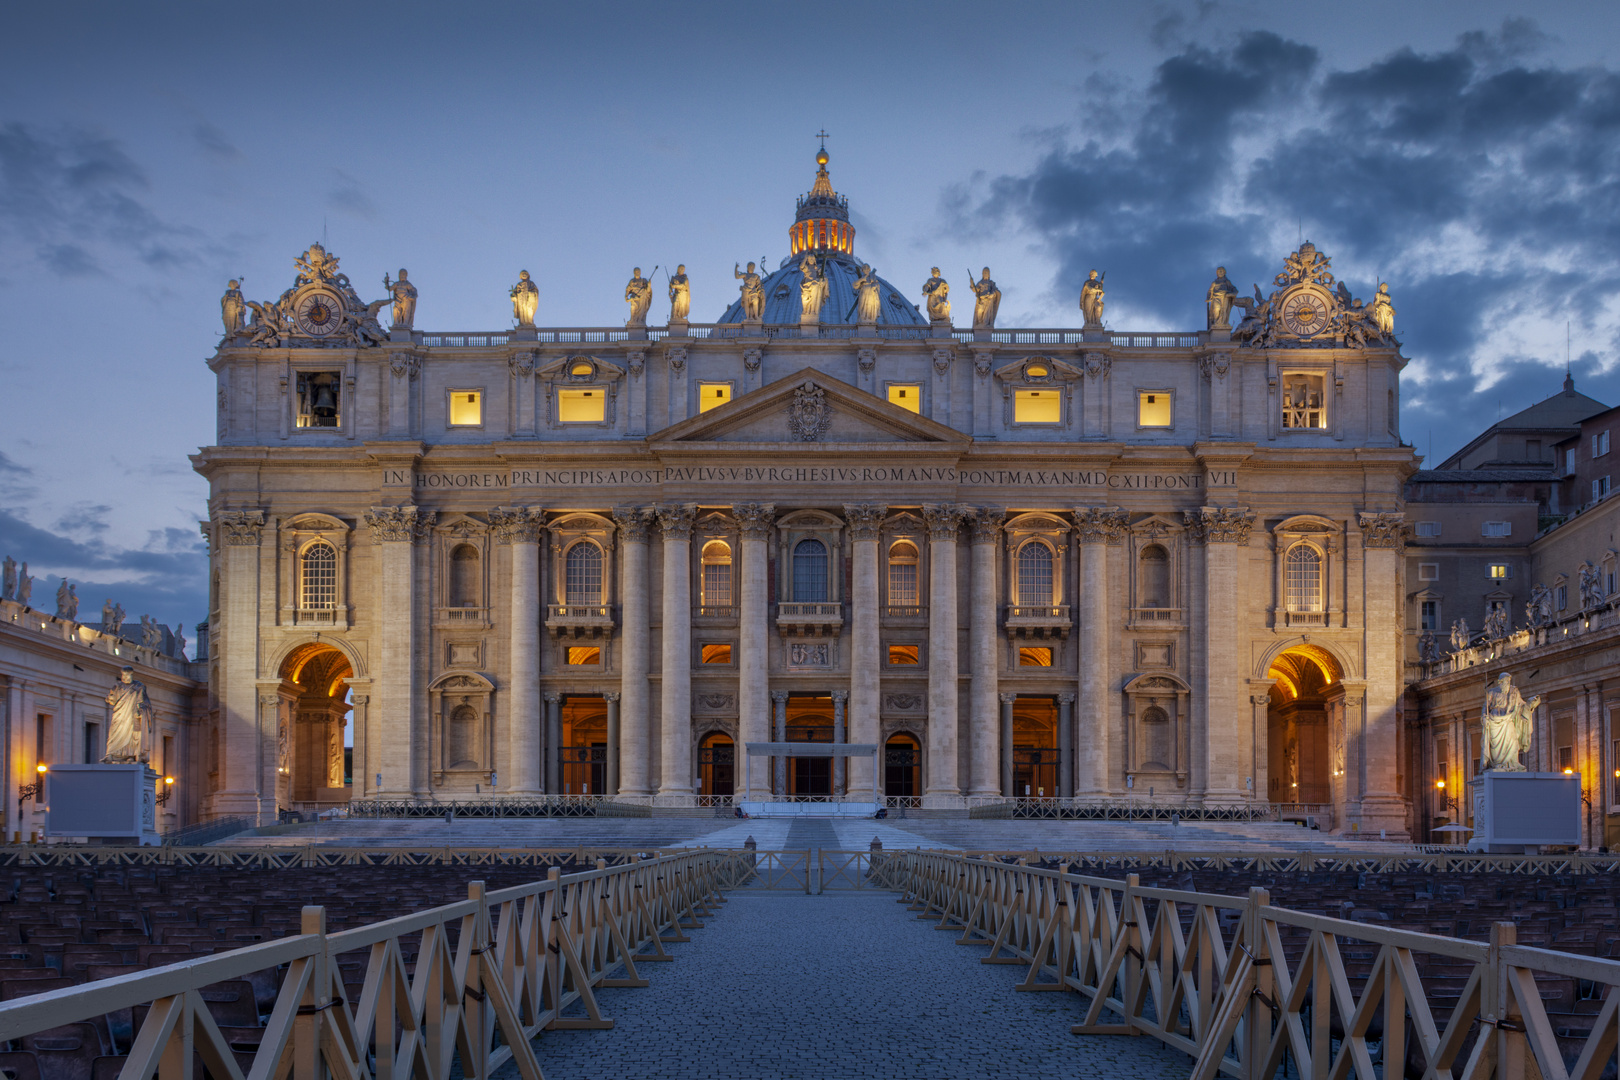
x,y
1383,541
753,646
865,678
1098,529
243,789
943,787
675,707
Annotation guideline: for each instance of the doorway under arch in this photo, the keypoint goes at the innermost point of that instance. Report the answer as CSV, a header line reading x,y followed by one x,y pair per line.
x,y
717,768
1305,679
314,746
902,769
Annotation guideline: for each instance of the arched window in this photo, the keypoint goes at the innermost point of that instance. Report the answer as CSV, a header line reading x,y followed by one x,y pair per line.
x,y
1034,574
463,737
1157,752
1153,577
582,574
1304,578
317,577
464,576
717,574
903,575
810,572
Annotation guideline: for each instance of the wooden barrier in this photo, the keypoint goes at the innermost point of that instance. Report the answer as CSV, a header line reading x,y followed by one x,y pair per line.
x,y
507,962
1239,984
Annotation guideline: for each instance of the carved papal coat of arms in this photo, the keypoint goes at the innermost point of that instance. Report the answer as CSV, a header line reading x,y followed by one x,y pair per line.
x,y
809,415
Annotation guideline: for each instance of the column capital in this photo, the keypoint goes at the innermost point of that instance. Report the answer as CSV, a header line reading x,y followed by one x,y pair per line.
x,y
635,523
779,696
840,696
754,519
676,520
1065,699
1007,699
517,524
986,523
238,528
611,697
399,524
943,520
1220,524
1383,530
552,697
1100,524
865,519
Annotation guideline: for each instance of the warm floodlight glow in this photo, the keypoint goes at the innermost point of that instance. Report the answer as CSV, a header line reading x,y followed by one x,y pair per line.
x,y
42,768
168,779
1441,784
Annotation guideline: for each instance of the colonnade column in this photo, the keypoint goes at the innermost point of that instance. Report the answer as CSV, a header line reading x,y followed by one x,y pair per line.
x,y
397,529
839,698
1383,540
1218,739
1006,727
865,686
635,522
519,528
1066,745
943,787
610,785
243,771
1098,529
754,636
553,744
779,700
989,743
14,754
675,707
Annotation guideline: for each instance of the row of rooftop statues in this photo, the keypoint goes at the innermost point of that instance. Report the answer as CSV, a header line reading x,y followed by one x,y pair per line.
x,y
17,585
1538,614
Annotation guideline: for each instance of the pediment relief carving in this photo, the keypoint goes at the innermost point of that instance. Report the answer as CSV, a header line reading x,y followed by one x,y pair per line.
x,y
464,682
572,369
1029,370
315,523
1036,523
1157,683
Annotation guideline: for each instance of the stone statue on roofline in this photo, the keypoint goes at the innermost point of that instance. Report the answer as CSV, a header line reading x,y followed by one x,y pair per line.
x,y
8,578
525,300
1428,647
404,296
1091,299
1591,586
1538,612
986,301
1496,624
680,295
1507,722
638,294
812,291
25,586
1459,635
937,297
866,296
1218,300
1382,312
67,602
753,292
232,308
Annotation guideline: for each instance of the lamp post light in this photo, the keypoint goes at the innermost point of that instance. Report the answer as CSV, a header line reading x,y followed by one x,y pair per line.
x,y
166,791
34,790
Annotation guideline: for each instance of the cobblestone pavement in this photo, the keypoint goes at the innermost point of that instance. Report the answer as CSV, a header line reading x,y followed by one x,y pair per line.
x,y
848,984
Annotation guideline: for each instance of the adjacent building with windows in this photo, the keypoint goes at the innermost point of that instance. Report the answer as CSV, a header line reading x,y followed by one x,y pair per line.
x,y
1047,563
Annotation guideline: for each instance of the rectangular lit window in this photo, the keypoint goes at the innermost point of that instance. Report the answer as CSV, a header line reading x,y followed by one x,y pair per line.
x,y
905,654
1035,657
906,395
1428,528
716,654
584,654
1500,571
1304,402
1153,408
581,406
1037,407
1428,571
466,408
712,395
1431,615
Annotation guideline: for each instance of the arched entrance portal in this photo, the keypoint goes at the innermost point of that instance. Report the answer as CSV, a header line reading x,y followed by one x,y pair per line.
x,y
314,745
1306,679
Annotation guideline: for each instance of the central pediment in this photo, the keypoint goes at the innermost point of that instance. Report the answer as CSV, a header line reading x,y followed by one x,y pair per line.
x,y
809,408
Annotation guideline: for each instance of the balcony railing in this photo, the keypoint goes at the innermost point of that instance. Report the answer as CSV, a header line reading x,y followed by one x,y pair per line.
x,y
1038,621
1304,618
579,620
906,611
816,618
1156,615
792,331
715,611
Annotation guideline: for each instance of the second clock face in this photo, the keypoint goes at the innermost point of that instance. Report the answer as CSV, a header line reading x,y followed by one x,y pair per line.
x,y
1305,314
319,314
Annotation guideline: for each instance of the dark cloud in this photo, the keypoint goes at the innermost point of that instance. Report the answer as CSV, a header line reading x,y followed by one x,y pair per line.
x,y
1483,185
70,193
84,517
215,143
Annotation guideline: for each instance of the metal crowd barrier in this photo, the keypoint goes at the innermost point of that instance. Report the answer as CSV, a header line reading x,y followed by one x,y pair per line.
x,y
489,973
1240,985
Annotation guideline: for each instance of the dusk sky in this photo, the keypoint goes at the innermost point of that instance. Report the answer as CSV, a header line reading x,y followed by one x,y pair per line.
x,y
1468,153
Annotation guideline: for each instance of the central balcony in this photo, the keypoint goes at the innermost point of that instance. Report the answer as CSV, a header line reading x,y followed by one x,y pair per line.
x,y
815,619
579,621
1044,621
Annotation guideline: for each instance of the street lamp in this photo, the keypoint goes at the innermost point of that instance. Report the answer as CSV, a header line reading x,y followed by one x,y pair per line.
x,y
34,790
166,791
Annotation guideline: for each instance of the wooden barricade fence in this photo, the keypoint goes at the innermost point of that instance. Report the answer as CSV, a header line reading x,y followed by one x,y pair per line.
x,y
1240,985
463,986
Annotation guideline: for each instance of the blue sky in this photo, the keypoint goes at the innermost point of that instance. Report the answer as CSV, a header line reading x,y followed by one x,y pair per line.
x,y
1467,153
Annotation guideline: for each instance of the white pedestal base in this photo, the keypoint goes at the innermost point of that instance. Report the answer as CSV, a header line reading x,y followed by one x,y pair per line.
x,y
102,802
1519,812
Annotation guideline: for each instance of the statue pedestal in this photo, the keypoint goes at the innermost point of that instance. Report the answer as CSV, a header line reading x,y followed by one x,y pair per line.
x,y
1518,812
939,328
1220,334
102,802
677,328
1092,332
403,335
524,333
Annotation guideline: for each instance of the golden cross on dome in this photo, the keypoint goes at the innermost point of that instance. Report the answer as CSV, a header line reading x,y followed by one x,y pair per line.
x,y
822,135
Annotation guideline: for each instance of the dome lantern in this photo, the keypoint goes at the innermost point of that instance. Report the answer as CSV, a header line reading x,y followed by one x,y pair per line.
x,y
821,225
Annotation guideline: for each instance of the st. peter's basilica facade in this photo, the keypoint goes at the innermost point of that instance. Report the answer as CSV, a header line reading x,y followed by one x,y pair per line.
x,y
1055,564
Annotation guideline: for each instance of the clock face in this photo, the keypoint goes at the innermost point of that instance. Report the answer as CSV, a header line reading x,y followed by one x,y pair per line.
x,y
319,314
1305,314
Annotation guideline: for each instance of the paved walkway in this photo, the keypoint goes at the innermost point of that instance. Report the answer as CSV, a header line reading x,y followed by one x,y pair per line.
x,y
847,984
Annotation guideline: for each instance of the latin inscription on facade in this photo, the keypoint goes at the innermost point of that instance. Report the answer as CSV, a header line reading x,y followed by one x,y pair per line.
x,y
811,477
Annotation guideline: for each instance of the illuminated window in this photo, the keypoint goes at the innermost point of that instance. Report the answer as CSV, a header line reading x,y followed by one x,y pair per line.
x,y
466,408
582,574
716,574
1035,657
905,654
581,369
713,395
906,395
810,571
1304,404
317,578
1304,578
903,575
1034,574
464,576
1037,407
1500,571
581,406
584,654
320,394
716,654
1153,408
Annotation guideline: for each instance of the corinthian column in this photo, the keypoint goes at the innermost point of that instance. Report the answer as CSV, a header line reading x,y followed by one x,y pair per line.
x,y
1099,529
753,633
779,768
634,524
982,651
553,744
246,778
675,734
865,520
396,530
1383,541
943,786
1219,718
520,528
